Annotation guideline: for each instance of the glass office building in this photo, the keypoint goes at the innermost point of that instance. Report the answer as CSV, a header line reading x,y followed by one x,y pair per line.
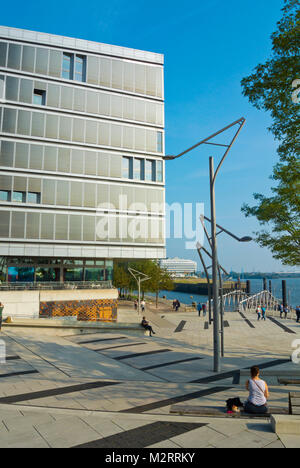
x,y
179,266
81,157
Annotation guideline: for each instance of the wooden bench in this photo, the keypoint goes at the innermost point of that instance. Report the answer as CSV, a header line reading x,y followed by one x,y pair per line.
x,y
220,412
294,403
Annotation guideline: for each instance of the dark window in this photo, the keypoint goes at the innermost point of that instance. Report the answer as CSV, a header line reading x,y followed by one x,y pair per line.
x,y
19,197
39,97
33,197
67,66
5,195
74,67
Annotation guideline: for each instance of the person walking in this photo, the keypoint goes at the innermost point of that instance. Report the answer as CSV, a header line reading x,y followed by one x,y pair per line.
x,y
143,305
204,310
177,305
263,313
281,310
298,313
258,311
258,394
145,324
199,308
174,304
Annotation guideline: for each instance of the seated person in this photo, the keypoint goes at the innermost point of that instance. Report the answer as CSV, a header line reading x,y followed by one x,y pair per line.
x,y
258,394
146,325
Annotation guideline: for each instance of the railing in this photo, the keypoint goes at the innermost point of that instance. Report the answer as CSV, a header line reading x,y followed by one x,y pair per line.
x,y
230,300
263,298
56,285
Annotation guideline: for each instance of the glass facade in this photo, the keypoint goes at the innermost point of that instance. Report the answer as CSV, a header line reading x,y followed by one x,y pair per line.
x,y
43,270
81,154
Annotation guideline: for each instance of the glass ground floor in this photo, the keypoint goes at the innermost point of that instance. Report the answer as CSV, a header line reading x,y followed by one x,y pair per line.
x,y
29,269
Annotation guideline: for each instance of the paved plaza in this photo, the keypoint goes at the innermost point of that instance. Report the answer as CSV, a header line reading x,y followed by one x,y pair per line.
x,y
115,389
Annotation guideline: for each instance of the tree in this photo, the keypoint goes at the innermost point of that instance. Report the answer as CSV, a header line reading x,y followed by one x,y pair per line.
x,y
122,279
271,88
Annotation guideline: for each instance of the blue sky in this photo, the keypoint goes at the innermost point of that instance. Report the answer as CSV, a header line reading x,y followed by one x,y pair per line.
x,y
209,46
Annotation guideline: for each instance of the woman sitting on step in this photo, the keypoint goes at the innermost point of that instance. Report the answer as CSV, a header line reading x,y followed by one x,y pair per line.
x,y
258,394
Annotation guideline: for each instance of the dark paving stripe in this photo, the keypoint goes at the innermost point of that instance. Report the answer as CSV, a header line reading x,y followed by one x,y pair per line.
x,y
174,400
236,378
171,363
276,362
55,392
102,339
13,358
283,327
180,326
15,374
119,346
144,436
235,374
128,356
216,378
246,320
206,326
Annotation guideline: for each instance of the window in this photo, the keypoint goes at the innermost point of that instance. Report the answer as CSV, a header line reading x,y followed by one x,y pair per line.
x,y
149,170
159,171
159,142
5,195
137,169
67,66
19,197
74,67
2,87
39,97
79,68
126,172
33,197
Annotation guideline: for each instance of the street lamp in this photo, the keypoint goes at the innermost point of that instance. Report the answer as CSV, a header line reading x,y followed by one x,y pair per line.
x,y
139,278
212,178
199,247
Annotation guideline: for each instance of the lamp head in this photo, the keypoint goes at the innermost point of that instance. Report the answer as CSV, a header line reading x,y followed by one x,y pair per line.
x,y
246,239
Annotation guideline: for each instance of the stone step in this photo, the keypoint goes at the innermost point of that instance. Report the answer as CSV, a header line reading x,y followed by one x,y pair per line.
x,y
285,424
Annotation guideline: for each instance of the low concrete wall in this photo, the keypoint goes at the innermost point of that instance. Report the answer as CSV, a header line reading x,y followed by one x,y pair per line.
x,y
20,304
82,304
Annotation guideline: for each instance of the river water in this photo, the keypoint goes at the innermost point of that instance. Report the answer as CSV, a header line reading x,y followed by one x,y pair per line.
x,y
293,291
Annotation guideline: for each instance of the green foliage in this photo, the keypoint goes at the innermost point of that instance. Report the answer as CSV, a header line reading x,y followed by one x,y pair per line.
x,y
159,278
270,88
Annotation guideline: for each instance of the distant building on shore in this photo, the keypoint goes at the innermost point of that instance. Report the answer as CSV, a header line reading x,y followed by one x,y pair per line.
x,y
179,266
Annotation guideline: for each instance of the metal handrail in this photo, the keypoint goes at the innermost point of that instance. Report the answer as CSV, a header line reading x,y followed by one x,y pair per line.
x,y
56,285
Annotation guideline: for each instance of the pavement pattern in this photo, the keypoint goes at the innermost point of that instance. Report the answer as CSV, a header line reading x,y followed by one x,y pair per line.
x,y
115,389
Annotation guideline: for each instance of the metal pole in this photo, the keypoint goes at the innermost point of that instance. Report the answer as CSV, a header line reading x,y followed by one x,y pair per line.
x,y
139,300
215,288
222,314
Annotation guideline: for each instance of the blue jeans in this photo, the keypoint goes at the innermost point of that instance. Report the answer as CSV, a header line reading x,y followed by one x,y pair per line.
x,y
253,409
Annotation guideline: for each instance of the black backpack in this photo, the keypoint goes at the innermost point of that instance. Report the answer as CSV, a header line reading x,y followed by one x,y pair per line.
x,y
233,402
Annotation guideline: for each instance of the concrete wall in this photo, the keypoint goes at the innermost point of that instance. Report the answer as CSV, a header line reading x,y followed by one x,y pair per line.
x,y
20,304
28,304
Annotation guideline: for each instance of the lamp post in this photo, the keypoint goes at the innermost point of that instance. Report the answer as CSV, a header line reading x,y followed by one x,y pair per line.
x,y
139,277
220,290
212,177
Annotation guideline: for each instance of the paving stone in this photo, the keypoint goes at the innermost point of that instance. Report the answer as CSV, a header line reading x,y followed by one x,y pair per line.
x,y
275,445
290,441
199,438
57,435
